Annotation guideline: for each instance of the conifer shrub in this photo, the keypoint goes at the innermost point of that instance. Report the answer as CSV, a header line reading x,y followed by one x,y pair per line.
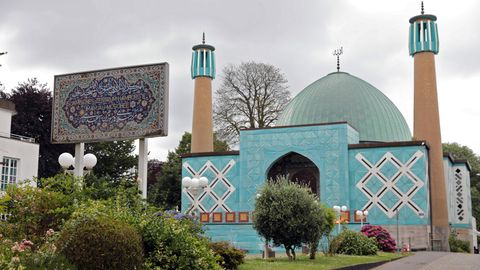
x,y
230,257
101,242
353,243
384,240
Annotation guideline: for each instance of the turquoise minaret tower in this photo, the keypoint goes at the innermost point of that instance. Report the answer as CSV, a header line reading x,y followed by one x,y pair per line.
x,y
423,35
203,72
203,60
426,119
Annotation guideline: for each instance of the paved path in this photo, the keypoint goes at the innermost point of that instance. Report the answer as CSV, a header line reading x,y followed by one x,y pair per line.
x,y
435,261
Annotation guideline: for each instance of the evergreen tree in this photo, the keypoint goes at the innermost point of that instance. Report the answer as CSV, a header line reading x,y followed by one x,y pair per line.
x,y
166,192
115,159
33,103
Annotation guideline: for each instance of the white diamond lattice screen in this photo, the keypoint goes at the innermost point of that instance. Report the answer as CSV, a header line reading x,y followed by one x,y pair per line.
x,y
208,193
393,192
460,196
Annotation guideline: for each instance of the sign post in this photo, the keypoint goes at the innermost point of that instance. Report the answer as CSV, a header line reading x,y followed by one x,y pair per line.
x,y
78,164
143,166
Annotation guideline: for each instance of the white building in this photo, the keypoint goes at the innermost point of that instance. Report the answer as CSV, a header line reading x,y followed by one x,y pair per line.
x,y
18,154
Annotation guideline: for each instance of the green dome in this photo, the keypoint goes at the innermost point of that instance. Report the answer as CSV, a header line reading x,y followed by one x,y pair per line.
x,y
340,96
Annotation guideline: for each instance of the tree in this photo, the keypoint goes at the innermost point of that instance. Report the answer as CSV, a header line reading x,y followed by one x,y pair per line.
x,y
251,95
290,215
166,192
114,159
154,169
464,152
33,103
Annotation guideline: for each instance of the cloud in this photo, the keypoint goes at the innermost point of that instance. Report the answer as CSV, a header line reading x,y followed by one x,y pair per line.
x,y
45,38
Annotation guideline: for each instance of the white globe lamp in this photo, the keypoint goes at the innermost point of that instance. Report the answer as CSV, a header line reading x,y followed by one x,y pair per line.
x,y
89,160
187,182
203,181
66,160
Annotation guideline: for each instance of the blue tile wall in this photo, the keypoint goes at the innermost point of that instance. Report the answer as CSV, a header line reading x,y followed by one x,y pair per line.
x,y
420,199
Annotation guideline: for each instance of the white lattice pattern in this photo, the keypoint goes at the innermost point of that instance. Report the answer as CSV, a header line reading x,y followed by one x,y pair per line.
x,y
219,200
459,196
389,185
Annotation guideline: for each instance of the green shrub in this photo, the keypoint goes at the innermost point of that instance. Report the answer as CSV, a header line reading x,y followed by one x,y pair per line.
x,y
230,257
457,245
101,242
172,243
353,243
33,211
289,214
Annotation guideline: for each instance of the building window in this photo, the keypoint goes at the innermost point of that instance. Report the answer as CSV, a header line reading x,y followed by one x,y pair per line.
x,y
9,172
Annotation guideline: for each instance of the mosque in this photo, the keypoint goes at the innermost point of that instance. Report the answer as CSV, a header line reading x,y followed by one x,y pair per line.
x,y
345,139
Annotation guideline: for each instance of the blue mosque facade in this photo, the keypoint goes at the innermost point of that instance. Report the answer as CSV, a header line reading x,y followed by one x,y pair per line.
x,y
345,139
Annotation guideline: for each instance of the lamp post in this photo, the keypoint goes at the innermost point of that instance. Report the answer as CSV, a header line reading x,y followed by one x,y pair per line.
x,y
195,185
362,214
66,160
338,210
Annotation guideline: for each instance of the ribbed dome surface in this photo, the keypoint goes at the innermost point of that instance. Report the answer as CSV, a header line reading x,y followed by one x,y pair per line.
x,y
340,96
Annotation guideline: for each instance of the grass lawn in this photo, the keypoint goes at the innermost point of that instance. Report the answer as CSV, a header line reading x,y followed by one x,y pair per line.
x,y
320,263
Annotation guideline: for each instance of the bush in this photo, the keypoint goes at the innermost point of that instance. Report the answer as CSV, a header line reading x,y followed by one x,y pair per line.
x,y
101,242
290,215
230,257
384,240
172,241
457,245
33,211
353,243
27,255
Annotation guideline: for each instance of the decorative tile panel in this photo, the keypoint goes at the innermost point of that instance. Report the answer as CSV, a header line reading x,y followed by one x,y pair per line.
x,y
386,180
460,194
230,217
325,145
389,171
219,189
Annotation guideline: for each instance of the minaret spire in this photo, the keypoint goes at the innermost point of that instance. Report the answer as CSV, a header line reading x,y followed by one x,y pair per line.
x,y
337,53
203,72
423,46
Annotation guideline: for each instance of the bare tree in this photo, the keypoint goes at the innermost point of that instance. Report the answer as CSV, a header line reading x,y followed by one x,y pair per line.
x,y
251,96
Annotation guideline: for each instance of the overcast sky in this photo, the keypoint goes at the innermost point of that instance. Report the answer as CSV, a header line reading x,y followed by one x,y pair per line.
x,y
45,38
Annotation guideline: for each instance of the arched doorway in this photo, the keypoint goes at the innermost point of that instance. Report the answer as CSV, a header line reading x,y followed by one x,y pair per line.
x,y
299,169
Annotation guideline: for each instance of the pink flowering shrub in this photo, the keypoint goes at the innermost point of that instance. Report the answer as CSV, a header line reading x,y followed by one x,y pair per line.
x,y
385,242
26,255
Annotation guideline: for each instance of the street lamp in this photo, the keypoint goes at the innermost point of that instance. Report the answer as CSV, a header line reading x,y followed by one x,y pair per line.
x,y
338,210
195,185
66,160
362,214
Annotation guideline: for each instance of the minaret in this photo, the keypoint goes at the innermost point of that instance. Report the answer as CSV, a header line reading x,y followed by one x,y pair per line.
x,y
423,46
203,72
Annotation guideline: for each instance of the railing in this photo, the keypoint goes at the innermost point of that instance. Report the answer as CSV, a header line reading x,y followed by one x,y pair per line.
x,y
17,137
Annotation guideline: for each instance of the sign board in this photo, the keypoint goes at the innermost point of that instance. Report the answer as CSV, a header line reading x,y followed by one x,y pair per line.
x,y
111,104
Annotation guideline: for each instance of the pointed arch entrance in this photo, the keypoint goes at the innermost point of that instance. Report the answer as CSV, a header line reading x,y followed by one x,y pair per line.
x,y
299,169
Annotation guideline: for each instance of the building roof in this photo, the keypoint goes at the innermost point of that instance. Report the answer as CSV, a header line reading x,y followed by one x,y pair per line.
x,y
340,96
8,105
